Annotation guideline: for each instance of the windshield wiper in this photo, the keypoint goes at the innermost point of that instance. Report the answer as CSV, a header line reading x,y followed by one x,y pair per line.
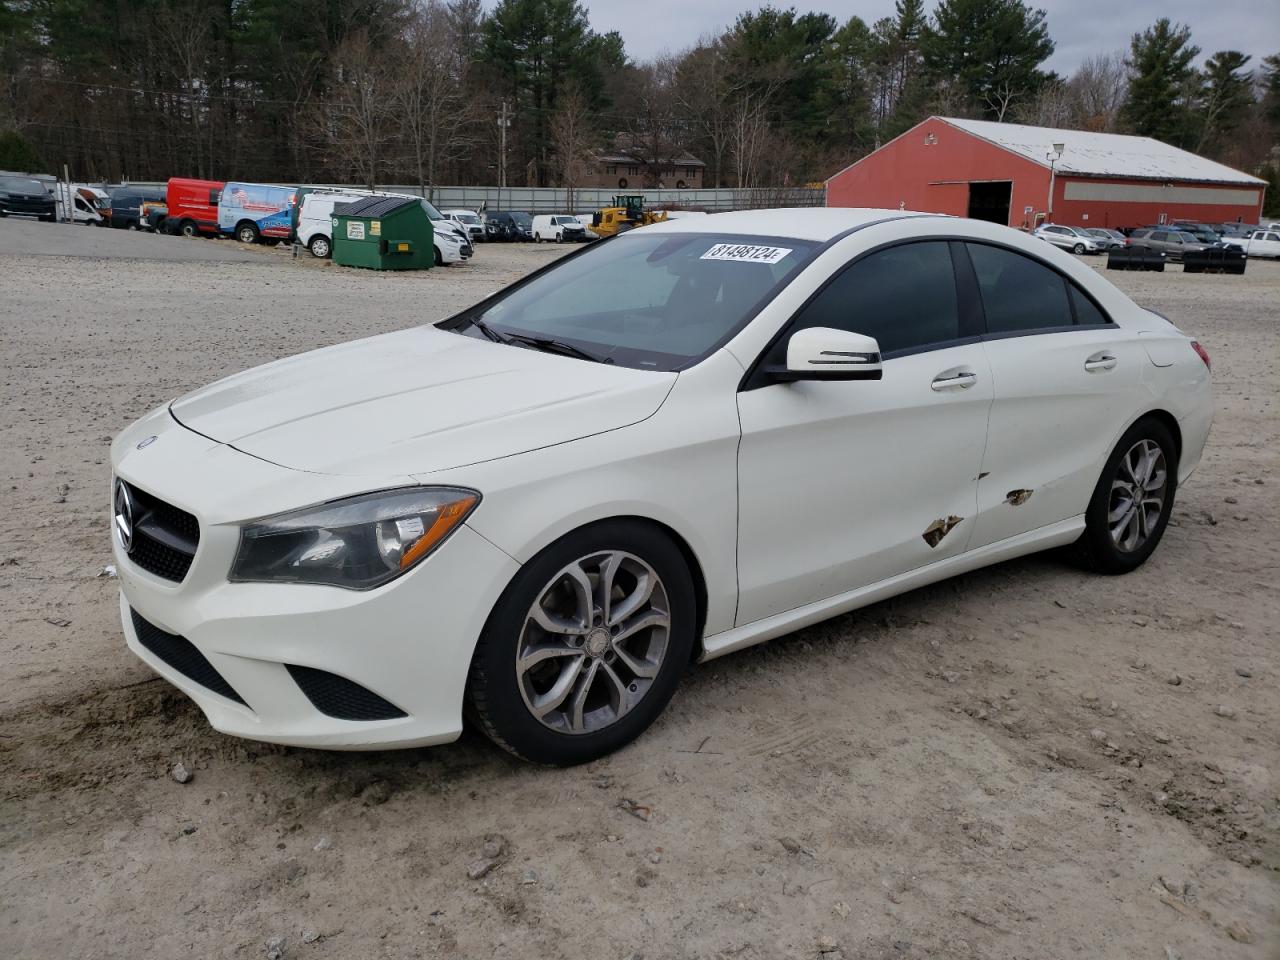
x,y
489,332
549,345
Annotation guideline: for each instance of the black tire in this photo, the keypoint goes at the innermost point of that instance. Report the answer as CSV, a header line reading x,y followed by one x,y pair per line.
x,y
247,232
1078,248
439,258
1096,546
320,247
494,701
188,228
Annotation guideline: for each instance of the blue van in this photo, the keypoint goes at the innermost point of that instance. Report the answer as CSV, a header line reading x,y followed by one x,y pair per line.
x,y
256,211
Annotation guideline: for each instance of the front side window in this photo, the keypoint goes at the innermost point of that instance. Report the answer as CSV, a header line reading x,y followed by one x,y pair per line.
x,y
1018,293
904,296
652,301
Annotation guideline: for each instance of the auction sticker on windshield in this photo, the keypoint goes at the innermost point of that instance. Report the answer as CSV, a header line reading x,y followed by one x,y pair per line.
x,y
745,253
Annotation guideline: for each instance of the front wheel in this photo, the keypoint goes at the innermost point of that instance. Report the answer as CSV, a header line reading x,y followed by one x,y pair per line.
x,y
1133,499
1078,248
586,646
247,233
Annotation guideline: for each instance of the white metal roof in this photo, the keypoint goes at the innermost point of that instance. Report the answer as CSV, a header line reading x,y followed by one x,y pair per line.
x,y
803,223
1103,154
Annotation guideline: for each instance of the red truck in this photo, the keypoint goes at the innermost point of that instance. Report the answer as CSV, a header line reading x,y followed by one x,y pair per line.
x,y
193,206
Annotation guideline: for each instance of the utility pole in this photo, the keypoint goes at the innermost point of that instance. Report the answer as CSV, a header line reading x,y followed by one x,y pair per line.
x,y
503,122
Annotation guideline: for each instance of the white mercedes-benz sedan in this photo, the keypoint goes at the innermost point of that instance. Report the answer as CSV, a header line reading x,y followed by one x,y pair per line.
x,y
662,448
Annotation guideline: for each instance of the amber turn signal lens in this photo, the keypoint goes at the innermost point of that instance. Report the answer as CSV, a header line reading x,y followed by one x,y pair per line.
x,y
448,517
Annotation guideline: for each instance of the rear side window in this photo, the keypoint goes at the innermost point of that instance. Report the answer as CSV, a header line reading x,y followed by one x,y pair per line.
x,y
1018,293
904,296
1087,312
214,197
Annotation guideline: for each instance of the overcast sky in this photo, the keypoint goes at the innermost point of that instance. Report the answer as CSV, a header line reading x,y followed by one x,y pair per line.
x,y
1078,27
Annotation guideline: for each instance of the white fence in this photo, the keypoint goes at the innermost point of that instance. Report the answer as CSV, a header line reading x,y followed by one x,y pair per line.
x,y
586,199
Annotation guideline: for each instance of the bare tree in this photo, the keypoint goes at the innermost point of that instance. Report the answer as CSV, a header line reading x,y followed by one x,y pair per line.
x,y
358,116
1098,87
436,119
572,135
1000,98
184,31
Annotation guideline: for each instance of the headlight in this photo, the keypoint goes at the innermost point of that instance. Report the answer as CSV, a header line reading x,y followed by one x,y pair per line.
x,y
360,542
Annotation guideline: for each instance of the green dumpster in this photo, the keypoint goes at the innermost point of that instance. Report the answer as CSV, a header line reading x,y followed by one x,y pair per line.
x,y
383,233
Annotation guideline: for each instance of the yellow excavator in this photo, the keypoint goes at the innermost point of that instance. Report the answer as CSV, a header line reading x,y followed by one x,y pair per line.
x,y
626,213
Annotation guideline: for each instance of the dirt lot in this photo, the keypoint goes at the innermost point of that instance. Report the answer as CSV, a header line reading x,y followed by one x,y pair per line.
x,y
1025,762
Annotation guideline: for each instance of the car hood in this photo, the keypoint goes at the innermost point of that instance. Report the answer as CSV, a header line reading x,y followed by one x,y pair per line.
x,y
416,402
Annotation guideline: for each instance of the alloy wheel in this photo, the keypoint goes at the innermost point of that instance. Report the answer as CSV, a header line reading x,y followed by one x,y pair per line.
x,y
593,642
1137,495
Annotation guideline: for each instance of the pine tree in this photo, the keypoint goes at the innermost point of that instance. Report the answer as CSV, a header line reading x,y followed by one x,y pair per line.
x,y
991,50
1157,104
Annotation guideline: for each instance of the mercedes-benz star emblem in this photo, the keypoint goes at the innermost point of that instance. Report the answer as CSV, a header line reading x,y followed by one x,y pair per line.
x,y
124,516
147,442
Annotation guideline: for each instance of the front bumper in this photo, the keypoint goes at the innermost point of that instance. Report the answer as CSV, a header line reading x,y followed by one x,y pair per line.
x,y
408,642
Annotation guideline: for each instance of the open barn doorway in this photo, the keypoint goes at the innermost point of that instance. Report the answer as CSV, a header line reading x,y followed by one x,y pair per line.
x,y
990,201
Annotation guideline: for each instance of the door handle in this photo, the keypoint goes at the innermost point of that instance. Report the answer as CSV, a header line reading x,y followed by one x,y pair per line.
x,y
1099,362
954,380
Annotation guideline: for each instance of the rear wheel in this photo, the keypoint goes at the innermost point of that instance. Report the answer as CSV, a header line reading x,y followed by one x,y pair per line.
x,y
319,246
188,228
586,646
1133,499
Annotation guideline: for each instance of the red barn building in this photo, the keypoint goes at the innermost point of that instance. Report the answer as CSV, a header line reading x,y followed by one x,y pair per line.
x,y
1022,176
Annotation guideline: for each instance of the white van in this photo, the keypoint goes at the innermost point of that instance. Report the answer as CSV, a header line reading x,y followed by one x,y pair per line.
x,y
561,228
469,221
315,217
81,204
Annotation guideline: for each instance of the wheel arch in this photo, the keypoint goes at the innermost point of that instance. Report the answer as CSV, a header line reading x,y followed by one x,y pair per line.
x,y
681,543
1165,419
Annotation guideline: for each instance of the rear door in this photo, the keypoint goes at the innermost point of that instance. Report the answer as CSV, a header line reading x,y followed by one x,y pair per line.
x,y
843,484
1065,378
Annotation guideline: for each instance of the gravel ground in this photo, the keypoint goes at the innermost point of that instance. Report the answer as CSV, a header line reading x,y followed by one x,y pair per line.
x,y
1024,762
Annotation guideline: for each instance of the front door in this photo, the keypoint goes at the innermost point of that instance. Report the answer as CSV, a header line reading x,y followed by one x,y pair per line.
x,y
843,484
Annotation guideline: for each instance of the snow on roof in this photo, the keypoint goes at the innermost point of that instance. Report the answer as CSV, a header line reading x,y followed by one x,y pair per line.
x,y
1103,154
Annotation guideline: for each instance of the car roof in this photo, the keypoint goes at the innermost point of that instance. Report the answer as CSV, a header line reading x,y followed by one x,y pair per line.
x,y
803,223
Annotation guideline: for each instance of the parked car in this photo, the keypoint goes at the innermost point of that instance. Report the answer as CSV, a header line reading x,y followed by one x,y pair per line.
x,y
558,228
1106,238
192,206
447,226
469,221
1172,243
127,205
1068,238
671,446
1226,230
1260,243
256,212
1202,232
26,197
510,225
315,219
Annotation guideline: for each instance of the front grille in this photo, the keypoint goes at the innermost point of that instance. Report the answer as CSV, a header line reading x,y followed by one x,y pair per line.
x,y
338,697
164,537
181,654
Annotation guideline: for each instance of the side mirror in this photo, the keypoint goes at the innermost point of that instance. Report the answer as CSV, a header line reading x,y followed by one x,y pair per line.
x,y
824,353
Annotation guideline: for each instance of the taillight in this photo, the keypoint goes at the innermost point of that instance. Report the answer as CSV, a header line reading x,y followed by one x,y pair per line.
x,y
1202,353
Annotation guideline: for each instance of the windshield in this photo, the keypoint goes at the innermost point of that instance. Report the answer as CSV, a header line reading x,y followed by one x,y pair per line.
x,y
659,301
1185,237
521,219
467,217
432,212
22,185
